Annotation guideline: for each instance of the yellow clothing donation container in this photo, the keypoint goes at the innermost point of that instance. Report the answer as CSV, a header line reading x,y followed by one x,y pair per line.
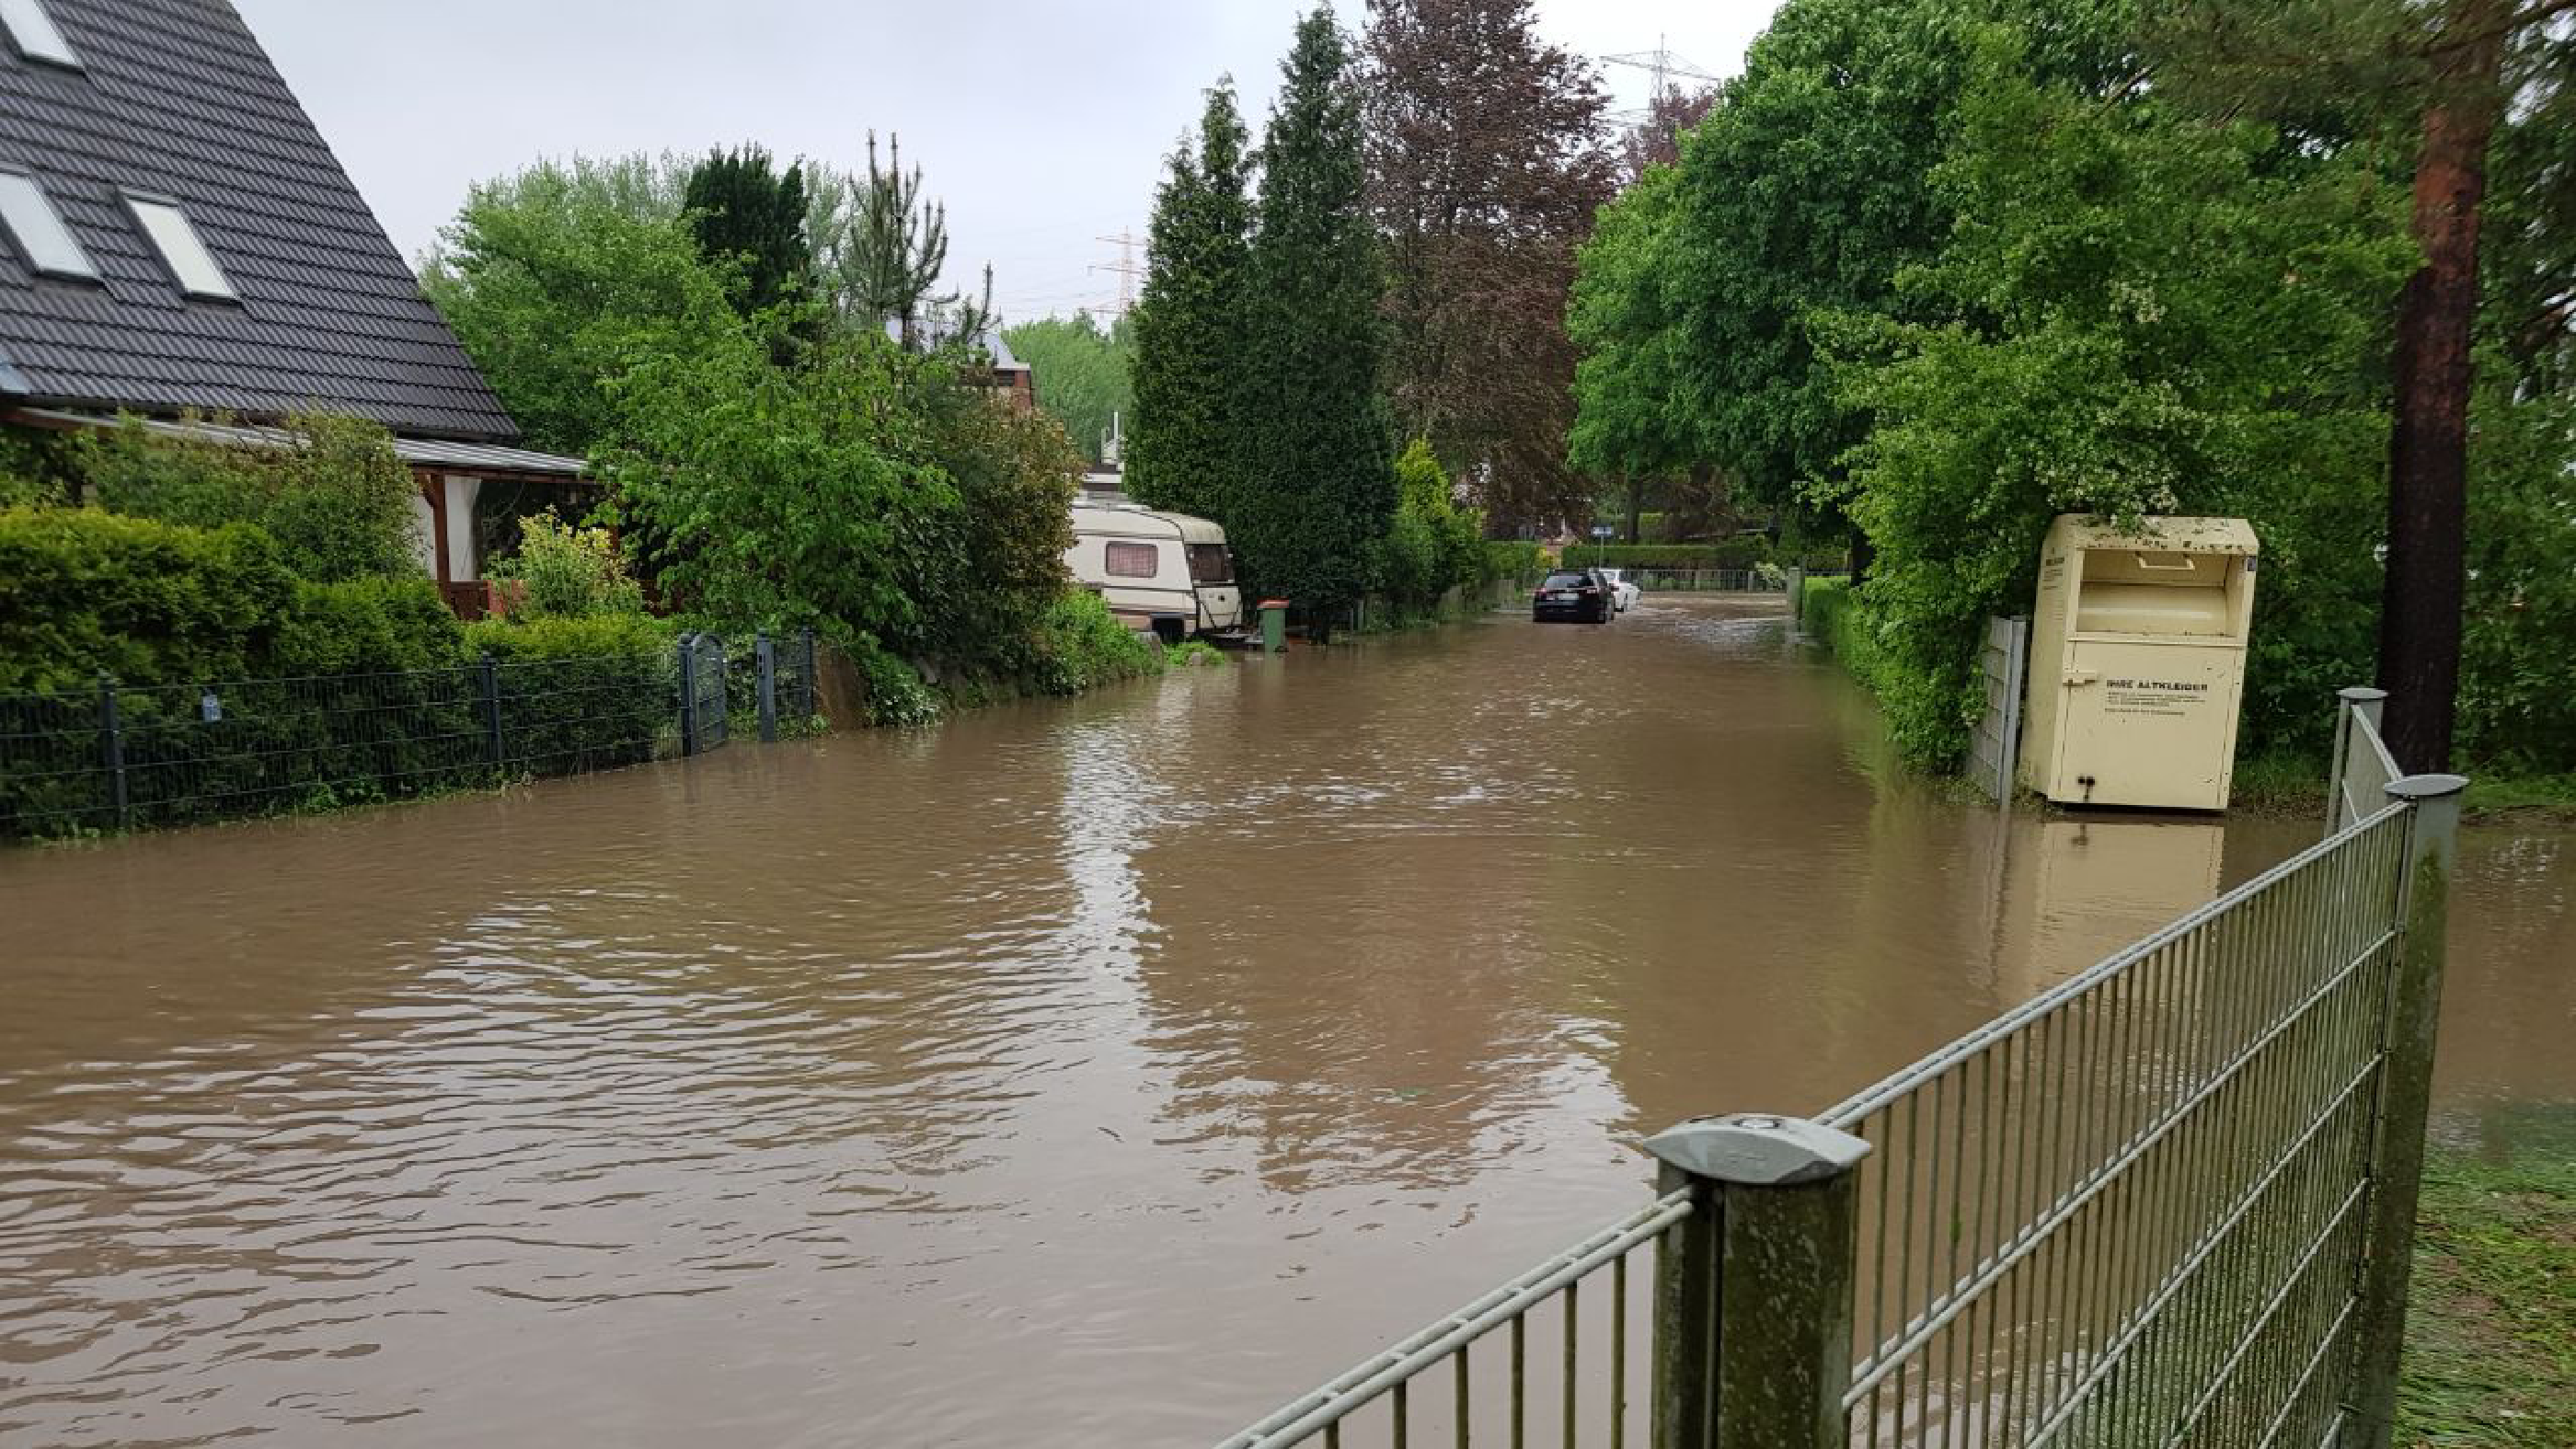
x,y
2137,662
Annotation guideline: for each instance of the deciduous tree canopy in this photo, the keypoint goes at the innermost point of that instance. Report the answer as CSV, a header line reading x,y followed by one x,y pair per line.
x,y
1487,157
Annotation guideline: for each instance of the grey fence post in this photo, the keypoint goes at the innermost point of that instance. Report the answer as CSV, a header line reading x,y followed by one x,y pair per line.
x,y
491,671
111,741
688,694
767,655
2405,1099
1793,582
1753,1297
2366,702
813,681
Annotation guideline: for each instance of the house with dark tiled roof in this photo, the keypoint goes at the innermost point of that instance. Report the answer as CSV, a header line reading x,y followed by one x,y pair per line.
x,y
177,239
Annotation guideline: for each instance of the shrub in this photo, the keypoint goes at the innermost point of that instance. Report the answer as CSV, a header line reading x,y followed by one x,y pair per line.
x,y
1517,559
1193,654
897,696
1832,611
570,571
335,497
324,692
363,696
1081,645
580,693
1734,553
1431,545
83,592
1014,476
366,626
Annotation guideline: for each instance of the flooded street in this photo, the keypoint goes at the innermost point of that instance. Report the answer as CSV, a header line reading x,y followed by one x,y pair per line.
x,y
1077,1073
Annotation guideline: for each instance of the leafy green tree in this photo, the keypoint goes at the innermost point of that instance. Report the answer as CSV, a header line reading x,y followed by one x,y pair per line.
x,y
1082,374
1632,399
1808,190
737,207
2168,317
1185,446
561,278
1014,476
2457,78
762,495
1316,489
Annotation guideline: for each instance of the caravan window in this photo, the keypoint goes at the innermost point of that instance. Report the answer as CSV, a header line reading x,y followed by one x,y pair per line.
x,y
1131,561
1209,564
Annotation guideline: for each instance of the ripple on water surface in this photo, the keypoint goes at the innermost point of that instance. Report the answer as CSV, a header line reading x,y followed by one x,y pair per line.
x,y
1083,1073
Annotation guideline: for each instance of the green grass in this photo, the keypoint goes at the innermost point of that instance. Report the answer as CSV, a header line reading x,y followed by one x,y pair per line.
x,y
2491,1321
2296,785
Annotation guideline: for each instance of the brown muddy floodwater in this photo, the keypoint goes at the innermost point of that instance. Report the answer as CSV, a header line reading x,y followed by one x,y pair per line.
x,y
1086,1074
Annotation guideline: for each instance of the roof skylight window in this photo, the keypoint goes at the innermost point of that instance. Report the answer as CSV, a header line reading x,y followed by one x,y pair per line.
x,y
187,257
34,33
42,239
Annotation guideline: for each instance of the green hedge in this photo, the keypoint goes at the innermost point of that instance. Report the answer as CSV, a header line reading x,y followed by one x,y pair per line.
x,y
581,693
1513,558
323,693
1734,553
84,592
1832,612
1747,551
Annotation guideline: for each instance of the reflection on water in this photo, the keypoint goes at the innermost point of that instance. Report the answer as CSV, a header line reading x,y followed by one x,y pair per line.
x,y
1082,1073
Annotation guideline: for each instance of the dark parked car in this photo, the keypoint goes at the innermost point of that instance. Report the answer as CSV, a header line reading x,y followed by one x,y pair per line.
x,y
1581,595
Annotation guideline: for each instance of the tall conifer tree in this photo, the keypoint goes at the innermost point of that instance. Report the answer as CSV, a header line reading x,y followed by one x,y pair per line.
x,y
1318,486
1184,446
738,207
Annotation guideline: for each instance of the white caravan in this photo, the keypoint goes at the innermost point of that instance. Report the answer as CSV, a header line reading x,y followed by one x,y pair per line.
x,y
1167,572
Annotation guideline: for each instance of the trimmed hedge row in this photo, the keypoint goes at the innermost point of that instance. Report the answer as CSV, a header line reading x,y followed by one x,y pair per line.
x,y
242,689
1733,553
1512,558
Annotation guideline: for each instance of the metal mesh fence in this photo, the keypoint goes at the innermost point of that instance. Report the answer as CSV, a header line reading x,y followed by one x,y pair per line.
x,y
788,664
2131,1211
122,756
2165,1203
1558,1355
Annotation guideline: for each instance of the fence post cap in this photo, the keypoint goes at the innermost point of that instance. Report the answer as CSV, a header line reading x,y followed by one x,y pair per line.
x,y
2426,787
1757,1149
2360,694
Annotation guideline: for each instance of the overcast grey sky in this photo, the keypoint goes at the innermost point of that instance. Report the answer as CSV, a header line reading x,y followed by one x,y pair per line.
x,y
1042,125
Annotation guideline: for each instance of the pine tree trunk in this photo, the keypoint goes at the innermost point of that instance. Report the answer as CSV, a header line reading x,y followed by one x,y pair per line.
x,y
2428,449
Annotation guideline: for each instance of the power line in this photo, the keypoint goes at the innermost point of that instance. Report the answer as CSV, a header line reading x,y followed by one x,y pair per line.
x,y
1126,268
1664,65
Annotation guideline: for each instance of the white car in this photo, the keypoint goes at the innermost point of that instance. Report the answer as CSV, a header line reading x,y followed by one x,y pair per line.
x,y
1622,592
